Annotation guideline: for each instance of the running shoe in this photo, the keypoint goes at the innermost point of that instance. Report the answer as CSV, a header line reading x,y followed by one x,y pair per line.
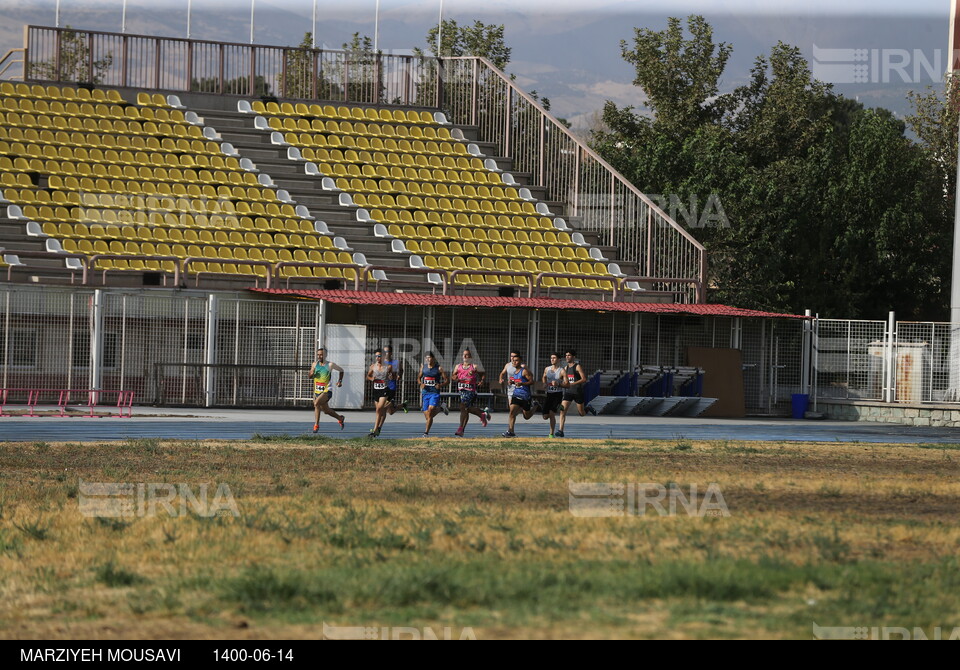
x,y
459,432
426,434
403,406
373,432
550,435
558,433
446,412
591,411
340,421
316,427
484,418
509,433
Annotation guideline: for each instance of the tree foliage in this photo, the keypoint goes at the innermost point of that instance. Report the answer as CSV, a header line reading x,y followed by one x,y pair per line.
x,y
74,62
829,205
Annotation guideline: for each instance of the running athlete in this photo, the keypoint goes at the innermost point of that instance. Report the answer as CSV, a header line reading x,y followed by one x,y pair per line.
x,y
430,379
380,374
322,372
393,384
576,378
520,382
554,379
468,378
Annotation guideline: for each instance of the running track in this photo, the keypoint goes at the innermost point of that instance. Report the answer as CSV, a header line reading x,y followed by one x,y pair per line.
x,y
191,424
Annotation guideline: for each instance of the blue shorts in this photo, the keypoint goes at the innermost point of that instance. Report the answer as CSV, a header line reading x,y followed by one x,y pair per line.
x,y
428,400
468,398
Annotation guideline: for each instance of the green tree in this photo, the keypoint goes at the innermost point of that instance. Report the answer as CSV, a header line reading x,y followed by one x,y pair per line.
x,y
829,205
74,64
479,39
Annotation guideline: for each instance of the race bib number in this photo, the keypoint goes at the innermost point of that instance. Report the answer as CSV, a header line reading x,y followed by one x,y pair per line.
x,y
379,385
465,386
320,387
429,381
571,378
554,387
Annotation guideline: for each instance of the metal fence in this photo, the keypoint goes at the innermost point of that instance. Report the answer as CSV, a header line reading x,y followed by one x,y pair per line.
x,y
887,361
190,348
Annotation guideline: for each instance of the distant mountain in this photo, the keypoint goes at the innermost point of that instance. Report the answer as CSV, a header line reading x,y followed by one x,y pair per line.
x,y
573,59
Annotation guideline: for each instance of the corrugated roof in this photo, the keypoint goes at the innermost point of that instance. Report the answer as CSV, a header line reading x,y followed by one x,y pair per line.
x,y
432,300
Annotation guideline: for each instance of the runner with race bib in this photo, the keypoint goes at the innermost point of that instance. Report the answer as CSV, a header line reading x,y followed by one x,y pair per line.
x,y
554,380
431,378
519,389
380,374
322,373
468,378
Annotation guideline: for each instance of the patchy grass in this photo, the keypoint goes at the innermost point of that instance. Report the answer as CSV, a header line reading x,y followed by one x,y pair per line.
x,y
477,533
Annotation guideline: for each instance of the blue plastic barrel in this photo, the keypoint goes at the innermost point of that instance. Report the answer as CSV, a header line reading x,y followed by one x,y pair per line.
x,y
800,402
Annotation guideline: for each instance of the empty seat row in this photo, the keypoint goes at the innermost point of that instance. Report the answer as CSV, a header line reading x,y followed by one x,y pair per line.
x,y
392,187
57,93
92,111
180,230
123,157
103,125
390,159
339,113
334,128
98,140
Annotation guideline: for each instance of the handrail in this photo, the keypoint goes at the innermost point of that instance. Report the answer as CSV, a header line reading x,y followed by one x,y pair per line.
x,y
234,261
91,262
46,254
568,275
10,52
697,285
586,149
509,273
402,269
312,264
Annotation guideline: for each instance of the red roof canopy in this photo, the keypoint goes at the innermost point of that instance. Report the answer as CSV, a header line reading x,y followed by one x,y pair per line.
x,y
432,300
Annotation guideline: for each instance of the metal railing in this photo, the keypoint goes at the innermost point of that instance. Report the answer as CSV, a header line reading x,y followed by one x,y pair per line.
x,y
228,68
476,93
11,60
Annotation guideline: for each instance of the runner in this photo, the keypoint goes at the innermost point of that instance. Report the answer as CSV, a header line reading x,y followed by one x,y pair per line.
x,y
519,391
393,384
380,374
468,378
322,371
430,379
554,379
576,378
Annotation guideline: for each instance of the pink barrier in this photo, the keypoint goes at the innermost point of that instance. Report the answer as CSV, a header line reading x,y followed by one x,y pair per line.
x,y
34,398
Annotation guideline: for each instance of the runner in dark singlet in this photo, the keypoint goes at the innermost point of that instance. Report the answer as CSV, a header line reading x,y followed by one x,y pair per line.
x,y
393,385
431,378
380,374
576,378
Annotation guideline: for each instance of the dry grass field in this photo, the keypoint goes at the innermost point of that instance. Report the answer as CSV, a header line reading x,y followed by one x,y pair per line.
x,y
479,534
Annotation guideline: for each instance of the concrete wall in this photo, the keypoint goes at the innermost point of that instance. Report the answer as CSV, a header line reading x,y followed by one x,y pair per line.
x,y
908,415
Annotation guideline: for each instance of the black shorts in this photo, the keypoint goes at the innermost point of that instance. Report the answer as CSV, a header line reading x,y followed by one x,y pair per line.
x,y
552,403
381,393
576,397
390,394
523,403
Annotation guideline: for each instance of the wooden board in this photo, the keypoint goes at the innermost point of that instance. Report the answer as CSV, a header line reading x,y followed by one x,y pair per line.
x,y
722,379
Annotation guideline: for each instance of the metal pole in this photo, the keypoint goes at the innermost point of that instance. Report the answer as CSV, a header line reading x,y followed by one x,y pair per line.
x,y
805,353
253,4
439,29
57,18
96,346
189,12
123,20
313,33
210,355
376,28
889,360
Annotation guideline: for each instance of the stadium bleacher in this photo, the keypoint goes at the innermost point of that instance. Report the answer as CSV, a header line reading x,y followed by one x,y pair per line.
x,y
152,186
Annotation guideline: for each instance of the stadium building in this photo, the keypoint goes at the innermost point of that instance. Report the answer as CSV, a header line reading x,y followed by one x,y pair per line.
x,y
183,221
